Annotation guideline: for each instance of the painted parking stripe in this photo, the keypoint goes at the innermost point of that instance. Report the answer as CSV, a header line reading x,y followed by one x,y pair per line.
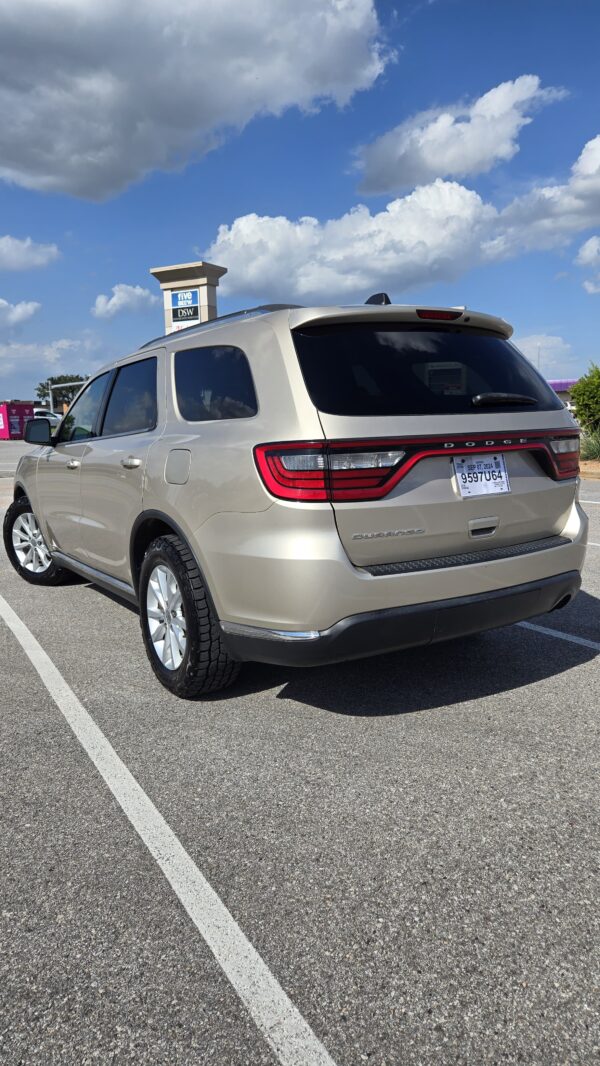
x,y
280,1022
561,636
589,501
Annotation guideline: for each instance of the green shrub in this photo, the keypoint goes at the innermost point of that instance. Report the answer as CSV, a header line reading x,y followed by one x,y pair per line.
x,y
586,397
590,445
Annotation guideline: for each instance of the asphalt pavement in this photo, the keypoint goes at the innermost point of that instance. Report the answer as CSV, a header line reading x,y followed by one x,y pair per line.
x,y
10,453
409,842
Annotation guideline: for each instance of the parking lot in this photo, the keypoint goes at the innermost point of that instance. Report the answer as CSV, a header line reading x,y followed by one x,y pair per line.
x,y
406,846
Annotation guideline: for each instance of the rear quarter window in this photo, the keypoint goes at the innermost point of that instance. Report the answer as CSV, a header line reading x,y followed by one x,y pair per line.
x,y
381,369
214,383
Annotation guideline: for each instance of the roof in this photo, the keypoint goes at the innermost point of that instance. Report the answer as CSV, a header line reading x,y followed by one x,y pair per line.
x,y
562,384
300,316
199,327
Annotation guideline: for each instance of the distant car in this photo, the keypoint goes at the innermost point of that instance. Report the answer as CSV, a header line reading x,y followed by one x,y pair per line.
x,y
53,418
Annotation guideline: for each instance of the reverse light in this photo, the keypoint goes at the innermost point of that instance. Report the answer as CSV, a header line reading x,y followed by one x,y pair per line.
x,y
566,444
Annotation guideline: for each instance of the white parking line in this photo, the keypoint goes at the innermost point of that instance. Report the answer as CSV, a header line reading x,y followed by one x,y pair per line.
x,y
593,543
589,501
280,1022
561,636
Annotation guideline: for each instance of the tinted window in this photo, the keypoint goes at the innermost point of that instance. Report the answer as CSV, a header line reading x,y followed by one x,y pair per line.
x,y
380,369
214,383
132,404
80,420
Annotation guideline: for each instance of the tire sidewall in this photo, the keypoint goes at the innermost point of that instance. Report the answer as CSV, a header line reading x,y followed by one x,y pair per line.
x,y
167,554
53,574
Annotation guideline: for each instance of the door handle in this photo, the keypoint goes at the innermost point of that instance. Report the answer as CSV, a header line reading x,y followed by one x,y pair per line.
x,y
73,464
131,463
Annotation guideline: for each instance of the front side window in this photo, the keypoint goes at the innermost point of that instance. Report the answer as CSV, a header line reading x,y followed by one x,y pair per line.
x,y
80,420
376,368
132,404
214,383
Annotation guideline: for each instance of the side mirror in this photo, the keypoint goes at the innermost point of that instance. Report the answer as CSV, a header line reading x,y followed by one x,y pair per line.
x,y
37,431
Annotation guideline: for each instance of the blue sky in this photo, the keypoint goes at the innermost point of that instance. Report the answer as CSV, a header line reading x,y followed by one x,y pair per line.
x,y
133,136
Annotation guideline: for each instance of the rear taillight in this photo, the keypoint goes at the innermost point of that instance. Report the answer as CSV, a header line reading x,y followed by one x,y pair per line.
x,y
565,455
342,471
300,471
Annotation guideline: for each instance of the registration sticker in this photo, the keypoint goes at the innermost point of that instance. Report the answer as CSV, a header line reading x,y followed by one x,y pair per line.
x,y
481,475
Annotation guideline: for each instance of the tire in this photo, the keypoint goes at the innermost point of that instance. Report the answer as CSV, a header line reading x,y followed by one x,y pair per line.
x,y
186,652
20,517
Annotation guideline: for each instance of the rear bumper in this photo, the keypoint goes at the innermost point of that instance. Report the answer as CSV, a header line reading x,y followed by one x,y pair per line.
x,y
375,632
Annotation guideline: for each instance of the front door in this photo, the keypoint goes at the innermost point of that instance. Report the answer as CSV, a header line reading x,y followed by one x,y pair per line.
x,y
59,471
112,470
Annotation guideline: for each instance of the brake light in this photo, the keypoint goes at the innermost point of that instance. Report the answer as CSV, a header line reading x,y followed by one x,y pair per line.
x,y
309,471
438,316
343,471
565,455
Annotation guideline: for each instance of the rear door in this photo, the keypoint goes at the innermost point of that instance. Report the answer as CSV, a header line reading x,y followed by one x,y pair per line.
x,y
410,414
112,472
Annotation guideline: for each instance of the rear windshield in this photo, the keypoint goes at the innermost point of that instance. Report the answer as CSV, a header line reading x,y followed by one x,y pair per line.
x,y
379,369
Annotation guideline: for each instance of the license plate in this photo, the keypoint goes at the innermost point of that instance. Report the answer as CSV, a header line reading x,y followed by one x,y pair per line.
x,y
481,475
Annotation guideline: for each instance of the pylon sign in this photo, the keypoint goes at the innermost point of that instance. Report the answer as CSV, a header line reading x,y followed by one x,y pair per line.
x,y
185,305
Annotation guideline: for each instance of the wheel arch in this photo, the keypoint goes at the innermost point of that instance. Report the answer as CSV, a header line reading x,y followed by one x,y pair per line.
x,y
147,527
19,492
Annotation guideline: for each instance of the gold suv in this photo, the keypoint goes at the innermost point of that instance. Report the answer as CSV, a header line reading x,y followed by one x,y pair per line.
x,y
302,485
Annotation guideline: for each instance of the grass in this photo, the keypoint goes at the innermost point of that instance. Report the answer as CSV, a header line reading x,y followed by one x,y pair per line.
x,y
590,445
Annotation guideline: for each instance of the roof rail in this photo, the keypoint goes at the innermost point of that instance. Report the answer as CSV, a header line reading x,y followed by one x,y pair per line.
x,y
262,309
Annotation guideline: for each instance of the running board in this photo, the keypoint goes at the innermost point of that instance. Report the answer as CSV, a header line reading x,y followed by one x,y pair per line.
x,y
111,584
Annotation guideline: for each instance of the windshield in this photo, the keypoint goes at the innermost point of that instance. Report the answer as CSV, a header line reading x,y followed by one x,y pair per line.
x,y
381,369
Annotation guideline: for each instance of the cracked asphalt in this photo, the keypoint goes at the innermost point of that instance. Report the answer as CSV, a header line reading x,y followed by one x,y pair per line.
x,y
410,842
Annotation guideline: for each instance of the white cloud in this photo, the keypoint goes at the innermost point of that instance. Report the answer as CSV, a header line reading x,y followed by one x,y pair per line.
x,y
17,254
553,355
454,141
550,215
124,298
435,233
38,361
15,314
589,253
431,234
95,95
589,256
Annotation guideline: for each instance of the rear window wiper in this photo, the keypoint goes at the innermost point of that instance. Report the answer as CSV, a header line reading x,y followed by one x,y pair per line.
x,y
497,399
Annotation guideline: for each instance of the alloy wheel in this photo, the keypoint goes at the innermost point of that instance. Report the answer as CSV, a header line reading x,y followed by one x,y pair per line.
x,y
166,620
30,546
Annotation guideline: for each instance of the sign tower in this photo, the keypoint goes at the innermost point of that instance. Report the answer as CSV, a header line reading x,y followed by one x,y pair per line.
x,y
190,292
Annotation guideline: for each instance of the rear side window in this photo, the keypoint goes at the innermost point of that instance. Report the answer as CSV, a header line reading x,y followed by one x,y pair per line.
x,y
132,404
380,369
214,383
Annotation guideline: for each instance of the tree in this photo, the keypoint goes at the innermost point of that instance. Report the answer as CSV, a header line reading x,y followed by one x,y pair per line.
x,y
586,397
59,396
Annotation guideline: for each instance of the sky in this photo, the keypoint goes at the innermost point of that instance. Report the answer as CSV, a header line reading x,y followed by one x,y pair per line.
x,y
445,151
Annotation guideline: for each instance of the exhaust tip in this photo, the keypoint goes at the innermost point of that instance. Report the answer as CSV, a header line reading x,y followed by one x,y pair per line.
x,y
563,602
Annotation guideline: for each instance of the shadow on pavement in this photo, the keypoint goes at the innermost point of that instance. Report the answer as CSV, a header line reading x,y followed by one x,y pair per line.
x,y
422,679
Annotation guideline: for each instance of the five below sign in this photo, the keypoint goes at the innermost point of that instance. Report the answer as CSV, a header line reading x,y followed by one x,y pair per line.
x,y
184,305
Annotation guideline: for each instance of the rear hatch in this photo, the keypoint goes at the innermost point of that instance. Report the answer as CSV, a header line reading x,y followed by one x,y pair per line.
x,y
441,439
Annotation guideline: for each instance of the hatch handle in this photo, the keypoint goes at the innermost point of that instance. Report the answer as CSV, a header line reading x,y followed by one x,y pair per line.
x,y
483,527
